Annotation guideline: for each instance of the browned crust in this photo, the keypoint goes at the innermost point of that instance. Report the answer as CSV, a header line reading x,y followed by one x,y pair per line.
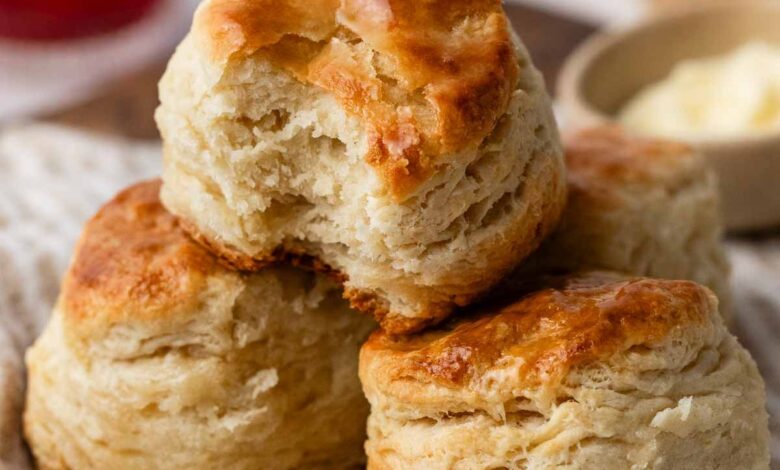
x,y
360,300
609,154
563,324
133,258
234,259
228,256
450,67
395,324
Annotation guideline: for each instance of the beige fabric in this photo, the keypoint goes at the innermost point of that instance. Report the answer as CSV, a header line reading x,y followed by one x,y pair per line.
x,y
756,287
51,180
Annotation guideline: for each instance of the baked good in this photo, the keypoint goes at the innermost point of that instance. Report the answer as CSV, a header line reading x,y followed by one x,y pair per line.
x,y
408,146
590,371
638,205
157,356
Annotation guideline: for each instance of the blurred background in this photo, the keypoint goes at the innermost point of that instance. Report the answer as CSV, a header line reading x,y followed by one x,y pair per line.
x,y
89,63
88,70
95,64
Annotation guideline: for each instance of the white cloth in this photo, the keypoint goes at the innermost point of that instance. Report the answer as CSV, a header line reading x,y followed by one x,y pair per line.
x,y
756,284
52,180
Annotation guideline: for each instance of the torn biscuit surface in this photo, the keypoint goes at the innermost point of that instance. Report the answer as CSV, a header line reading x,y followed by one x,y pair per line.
x,y
408,146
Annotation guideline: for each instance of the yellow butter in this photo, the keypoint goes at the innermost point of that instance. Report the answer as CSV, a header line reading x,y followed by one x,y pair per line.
x,y
726,96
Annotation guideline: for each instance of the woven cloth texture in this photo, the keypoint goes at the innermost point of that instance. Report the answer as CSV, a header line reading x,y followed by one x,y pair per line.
x,y
51,180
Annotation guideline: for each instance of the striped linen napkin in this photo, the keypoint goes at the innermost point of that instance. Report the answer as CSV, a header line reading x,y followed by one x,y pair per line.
x,y
51,181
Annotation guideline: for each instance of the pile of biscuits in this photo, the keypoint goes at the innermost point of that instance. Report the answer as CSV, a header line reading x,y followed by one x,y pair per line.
x,y
369,247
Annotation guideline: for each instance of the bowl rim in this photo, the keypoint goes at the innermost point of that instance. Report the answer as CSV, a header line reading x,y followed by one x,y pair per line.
x,y
577,65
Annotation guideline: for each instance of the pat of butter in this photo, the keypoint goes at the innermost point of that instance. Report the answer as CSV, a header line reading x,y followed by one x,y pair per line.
x,y
719,97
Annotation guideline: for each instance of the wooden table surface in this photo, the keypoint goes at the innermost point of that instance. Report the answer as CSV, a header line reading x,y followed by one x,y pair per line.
x,y
126,107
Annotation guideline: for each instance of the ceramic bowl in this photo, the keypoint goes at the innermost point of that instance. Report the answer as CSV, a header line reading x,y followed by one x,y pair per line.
x,y
610,68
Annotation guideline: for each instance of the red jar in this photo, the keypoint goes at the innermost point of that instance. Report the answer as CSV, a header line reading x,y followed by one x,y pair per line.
x,y
63,19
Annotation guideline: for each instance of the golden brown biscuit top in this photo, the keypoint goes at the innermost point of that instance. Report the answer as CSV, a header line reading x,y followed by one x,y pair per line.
x,y
134,261
430,76
574,321
609,155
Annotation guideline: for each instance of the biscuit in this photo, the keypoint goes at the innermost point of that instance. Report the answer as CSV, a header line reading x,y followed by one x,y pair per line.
x,y
157,356
642,206
591,371
410,147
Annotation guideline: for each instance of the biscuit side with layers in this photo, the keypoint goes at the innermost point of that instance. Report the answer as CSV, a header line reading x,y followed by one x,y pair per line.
x,y
591,371
158,356
641,206
421,167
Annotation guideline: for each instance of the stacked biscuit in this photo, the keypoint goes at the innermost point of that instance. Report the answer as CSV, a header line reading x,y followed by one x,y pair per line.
x,y
334,158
